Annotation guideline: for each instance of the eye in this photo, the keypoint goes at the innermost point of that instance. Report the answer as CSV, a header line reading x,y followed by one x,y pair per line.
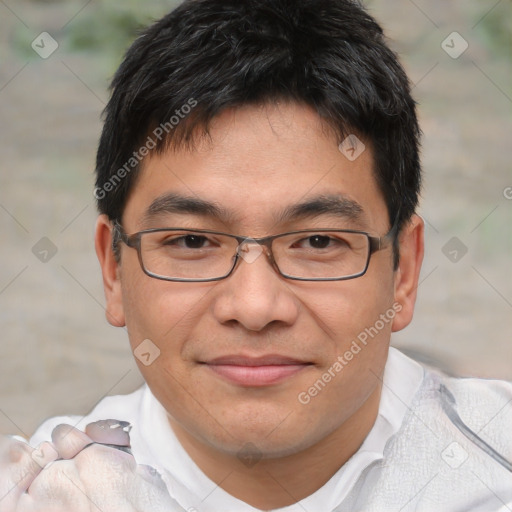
x,y
187,241
194,241
319,241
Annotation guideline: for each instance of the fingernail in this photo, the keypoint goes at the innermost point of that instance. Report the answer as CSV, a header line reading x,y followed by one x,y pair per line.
x,y
124,425
113,424
109,431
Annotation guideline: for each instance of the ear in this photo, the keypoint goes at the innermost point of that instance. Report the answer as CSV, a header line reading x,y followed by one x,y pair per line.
x,y
408,272
110,270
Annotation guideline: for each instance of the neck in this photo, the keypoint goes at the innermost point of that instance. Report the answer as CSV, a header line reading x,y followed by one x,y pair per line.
x,y
276,483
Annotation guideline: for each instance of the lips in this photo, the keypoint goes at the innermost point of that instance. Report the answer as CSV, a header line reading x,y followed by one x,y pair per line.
x,y
256,371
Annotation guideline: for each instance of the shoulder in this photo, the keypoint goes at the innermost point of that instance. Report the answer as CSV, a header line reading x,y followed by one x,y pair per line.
x,y
481,409
477,410
120,407
453,447
478,396
455,441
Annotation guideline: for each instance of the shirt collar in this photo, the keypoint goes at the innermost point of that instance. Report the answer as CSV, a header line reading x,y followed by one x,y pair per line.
x,y
192,488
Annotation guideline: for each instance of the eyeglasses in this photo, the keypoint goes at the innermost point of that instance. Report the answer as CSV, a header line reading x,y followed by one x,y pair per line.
x,y
199,255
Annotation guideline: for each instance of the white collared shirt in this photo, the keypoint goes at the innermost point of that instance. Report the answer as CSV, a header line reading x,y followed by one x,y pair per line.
x,y
154,443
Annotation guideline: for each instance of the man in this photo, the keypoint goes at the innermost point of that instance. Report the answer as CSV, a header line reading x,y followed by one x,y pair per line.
x,y
257,180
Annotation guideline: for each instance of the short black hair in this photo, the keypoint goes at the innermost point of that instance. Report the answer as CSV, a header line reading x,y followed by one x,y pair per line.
x,y
210,55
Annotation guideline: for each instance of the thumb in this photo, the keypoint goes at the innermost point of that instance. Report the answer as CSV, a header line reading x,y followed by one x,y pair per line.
x,y
109,432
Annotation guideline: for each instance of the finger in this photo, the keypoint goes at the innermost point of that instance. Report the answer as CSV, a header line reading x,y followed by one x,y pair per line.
x,y
69,441
18,469
58,488
97,478
100,465
44,454
109,432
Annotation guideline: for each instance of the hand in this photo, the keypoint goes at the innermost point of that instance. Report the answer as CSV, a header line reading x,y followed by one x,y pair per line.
x,y
78,472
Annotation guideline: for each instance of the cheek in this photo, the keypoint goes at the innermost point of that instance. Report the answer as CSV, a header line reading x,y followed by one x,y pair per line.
x,y
357,315
166,314
344,309
161,311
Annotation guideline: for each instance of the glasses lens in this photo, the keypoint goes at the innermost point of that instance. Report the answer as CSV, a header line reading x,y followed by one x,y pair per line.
x,y
193,255
187,254
321,254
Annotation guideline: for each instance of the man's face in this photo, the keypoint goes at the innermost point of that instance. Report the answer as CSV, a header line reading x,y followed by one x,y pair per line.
x,y
259,164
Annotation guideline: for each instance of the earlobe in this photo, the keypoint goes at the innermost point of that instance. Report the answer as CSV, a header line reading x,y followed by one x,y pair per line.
x,y
110,271
408,272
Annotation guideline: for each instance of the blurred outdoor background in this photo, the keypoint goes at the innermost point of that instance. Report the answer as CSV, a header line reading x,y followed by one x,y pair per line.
x,y
58,353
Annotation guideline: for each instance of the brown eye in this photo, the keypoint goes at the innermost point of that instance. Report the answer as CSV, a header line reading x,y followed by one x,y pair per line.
x,y
194,241
187,241
319,241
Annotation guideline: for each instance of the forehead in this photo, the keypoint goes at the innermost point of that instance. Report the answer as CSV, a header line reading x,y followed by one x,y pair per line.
x,y
257,163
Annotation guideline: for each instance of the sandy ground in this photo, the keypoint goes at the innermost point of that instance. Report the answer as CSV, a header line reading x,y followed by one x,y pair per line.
x,y
59,355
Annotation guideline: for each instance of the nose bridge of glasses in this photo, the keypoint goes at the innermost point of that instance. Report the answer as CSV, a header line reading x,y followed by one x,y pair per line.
x,y
250,249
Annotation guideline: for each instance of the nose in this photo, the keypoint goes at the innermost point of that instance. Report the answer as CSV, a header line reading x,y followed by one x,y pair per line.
x,y
255,295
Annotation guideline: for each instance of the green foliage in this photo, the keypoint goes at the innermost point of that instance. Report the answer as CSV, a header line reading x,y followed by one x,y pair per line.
x,y
104,28
496,29
109,27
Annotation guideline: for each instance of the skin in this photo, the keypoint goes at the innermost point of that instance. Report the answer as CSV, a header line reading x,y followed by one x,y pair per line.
x,y
85,473
259,160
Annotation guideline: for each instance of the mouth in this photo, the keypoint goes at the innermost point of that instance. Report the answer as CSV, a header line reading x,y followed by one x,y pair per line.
x,y
256,371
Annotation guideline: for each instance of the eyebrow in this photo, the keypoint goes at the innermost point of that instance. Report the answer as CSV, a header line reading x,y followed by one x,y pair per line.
x,y
338,205
176,203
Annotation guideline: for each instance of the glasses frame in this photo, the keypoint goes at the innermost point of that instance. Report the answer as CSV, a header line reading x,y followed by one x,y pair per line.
x,y
375,243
